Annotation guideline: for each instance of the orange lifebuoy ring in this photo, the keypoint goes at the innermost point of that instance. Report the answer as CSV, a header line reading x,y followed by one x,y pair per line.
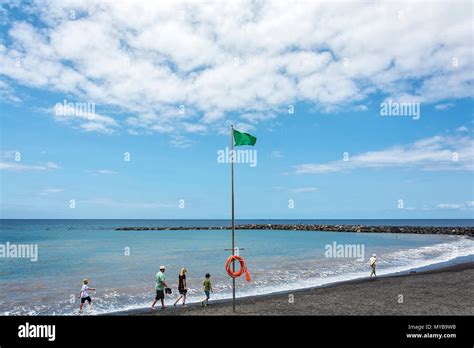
x,y
242,269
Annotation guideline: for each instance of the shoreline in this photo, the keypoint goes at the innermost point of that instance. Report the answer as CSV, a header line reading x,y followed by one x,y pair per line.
x,y
459,230
448,286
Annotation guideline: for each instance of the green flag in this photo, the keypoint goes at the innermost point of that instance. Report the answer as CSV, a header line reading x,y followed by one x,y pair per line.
x,y
243,139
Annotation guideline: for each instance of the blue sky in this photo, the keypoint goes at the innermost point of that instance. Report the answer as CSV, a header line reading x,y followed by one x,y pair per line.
x,y
395,167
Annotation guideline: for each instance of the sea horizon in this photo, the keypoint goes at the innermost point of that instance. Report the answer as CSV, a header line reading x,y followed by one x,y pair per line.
x,y
375,222
252,219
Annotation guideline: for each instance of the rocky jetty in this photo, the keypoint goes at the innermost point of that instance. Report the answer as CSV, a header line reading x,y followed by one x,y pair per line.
x,y
468,231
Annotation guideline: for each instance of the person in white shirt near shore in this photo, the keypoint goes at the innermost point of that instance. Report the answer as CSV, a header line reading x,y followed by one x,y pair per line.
x,y
373,264
84,295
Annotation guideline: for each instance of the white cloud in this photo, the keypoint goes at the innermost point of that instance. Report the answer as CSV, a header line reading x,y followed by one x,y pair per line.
x,y
9,154
96,118
89,122
20,167
303,189
457,206
276,154
434,153
444,106
7,93
449,206
50,190
239,58
194,128
180,141
96,127
257,117
462,129
295,189
102,172
361,108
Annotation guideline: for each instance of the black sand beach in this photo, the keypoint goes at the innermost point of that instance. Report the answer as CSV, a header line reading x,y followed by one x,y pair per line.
x,y
444,291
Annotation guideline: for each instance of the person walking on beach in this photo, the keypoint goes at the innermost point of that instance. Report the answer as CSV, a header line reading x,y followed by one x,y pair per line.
x,y
373,264
207,290
84,294
160,288
182,286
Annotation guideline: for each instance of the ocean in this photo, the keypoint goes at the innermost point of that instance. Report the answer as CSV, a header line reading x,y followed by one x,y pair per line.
x,y
122,265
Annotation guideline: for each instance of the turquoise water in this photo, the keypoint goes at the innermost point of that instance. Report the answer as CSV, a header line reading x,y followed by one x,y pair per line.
x,y
70,250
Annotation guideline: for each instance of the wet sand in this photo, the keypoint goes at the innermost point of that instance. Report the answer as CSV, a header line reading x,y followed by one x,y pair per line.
x,y
444,291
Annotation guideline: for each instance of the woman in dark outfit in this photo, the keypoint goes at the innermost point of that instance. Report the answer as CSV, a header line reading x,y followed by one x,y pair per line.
x,y
182,286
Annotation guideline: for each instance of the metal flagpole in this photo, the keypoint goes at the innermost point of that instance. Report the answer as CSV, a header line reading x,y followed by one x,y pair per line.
x,y
233,222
